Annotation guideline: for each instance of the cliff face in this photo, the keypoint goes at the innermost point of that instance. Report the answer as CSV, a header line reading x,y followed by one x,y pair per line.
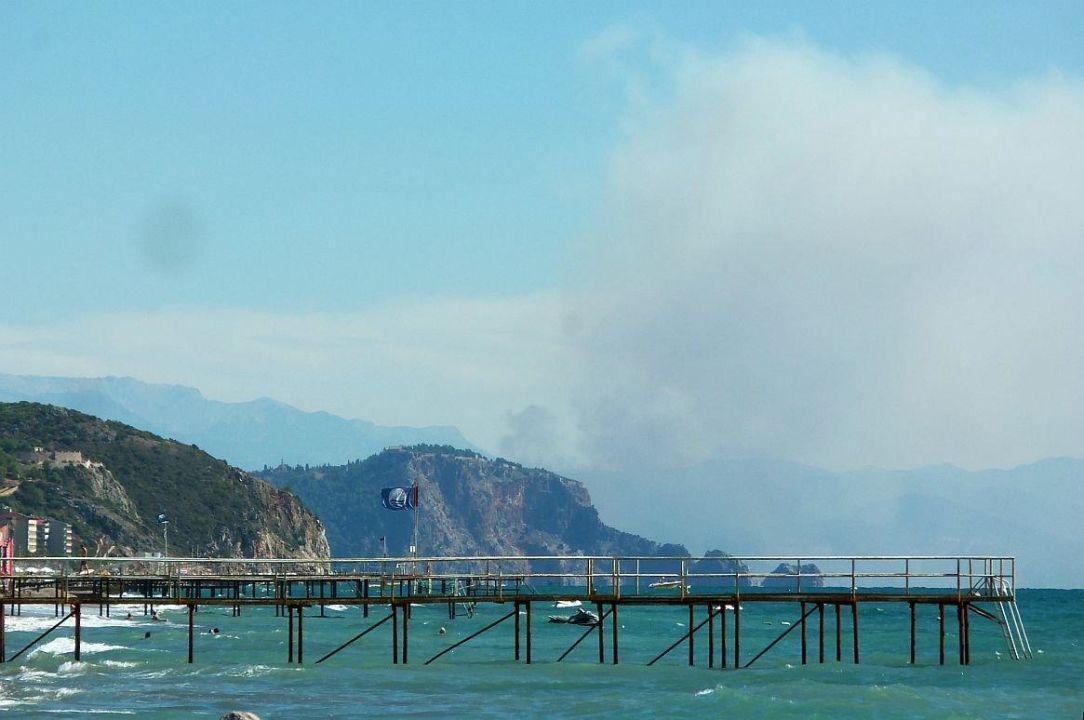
x,y
103,505
130,476
784,577
469,505
719,563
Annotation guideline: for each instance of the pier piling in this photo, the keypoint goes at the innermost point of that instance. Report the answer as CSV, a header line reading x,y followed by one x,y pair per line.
x,y
854,622
912,604
191,632
820,633
77,610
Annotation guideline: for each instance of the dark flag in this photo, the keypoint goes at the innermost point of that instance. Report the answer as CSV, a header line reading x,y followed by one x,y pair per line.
x,y
399,498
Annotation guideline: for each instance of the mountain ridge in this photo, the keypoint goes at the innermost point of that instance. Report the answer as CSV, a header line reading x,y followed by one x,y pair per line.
x,y
248,434
469,505
760,506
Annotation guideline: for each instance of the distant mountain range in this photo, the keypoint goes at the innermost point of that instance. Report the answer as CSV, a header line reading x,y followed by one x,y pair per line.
x,y
758,506
763,506
246,434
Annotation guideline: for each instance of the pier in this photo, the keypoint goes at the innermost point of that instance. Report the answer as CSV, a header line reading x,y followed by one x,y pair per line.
x,y
822,597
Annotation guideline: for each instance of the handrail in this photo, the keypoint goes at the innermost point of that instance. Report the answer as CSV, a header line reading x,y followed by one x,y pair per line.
x,y
492,558
790,573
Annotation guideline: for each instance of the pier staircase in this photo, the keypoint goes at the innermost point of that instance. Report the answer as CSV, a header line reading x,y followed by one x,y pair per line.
x,y
1008,617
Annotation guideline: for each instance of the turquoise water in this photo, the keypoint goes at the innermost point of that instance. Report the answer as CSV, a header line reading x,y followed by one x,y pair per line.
x,y
244,667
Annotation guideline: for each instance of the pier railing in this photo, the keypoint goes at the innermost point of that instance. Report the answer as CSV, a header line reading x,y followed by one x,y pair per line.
x,y
956,576
984,586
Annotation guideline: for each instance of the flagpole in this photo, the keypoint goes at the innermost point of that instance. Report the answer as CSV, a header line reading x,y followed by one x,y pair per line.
x,y
416,503
163,520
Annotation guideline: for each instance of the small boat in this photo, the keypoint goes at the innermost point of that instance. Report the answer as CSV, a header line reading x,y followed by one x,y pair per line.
x,y
567,603
668,585
580,617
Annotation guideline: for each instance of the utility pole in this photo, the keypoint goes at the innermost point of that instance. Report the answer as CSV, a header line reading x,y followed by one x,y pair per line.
x,y
164,522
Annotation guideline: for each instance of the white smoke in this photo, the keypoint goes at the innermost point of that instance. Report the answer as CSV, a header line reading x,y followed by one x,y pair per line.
x,y
839,261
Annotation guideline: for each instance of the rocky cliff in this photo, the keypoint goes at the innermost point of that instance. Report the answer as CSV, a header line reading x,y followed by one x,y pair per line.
x,y
717,564
785,577
124,477
468,505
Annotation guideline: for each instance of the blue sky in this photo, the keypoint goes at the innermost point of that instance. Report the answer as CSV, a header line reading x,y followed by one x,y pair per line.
x,y
435,212
337,155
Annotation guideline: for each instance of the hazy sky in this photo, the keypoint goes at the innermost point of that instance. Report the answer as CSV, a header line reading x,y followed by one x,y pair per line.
x,y
584,233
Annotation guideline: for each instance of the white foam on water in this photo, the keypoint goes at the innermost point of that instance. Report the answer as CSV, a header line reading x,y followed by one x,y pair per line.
x,y
119,664
66,645
32,623
708,691
86,711
122,610
45,618
337,608
249,671
29,675
96,621
71,667
10,703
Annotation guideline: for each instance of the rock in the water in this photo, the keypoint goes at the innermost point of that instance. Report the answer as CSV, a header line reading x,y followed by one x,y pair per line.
x,y
785,577
718,565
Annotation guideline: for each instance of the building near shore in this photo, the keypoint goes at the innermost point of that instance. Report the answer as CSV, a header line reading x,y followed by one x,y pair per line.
x,y
30,536
7,550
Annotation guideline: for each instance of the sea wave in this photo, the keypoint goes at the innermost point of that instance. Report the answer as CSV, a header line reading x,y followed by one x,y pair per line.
x,y
66,645
86,711
248,671
39,622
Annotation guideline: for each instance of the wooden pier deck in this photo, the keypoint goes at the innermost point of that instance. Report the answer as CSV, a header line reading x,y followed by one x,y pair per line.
x,y
712,591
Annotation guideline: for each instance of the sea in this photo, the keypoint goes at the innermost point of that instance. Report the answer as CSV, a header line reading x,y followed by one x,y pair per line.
x,y
125,672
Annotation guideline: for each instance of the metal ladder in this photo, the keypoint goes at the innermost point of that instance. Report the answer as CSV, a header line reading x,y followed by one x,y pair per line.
x,y
1012,623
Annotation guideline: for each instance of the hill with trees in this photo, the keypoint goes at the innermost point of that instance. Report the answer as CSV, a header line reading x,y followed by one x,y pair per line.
x,y
122,478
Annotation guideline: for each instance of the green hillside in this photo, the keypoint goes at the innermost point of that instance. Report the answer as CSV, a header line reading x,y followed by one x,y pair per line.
x,y
131,476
